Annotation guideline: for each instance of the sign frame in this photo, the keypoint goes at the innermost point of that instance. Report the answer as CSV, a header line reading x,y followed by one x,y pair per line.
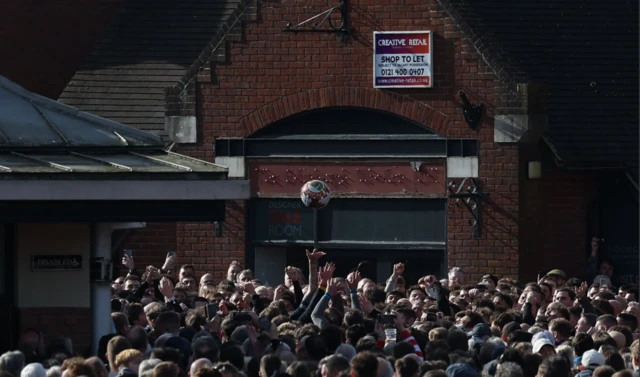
x,y
62,266
429,62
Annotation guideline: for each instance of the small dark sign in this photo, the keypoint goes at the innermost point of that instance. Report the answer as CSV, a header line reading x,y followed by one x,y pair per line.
x,y
283,220
52,262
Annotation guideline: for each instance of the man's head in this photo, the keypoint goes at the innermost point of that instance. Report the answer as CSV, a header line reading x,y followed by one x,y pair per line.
x,y
364,364
166,369
97,365
136,315
146,367
129,359
591,360
416,294
605,322
586,322
233,271
332,366
121,322
554,366
456,277
186,269
207,279
199,364
557,276
270,364
33,370
132,283
560,328
190,282
605,267
116,345
168,322
245,276
565,296
137,335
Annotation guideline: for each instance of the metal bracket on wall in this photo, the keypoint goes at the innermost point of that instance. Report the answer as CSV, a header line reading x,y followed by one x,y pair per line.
x,y
468,194
326,23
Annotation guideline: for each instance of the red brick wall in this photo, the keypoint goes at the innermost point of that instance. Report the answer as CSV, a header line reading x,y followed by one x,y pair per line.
x,y
272,74
555,216
44,42
74,323
150,244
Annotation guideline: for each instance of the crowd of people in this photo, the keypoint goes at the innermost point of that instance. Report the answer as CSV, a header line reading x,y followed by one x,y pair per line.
x,y
169,323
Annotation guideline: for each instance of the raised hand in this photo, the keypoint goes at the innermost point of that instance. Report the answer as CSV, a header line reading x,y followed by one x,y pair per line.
x,y
292,273
334,287
326,273
249,288
169,262
398,269
581,291
595,245
315,255
365,304
353,279
166,287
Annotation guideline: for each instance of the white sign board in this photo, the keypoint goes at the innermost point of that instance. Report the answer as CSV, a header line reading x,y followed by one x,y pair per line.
x,y
402,59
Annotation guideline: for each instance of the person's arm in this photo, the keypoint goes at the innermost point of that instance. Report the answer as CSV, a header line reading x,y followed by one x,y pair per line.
x,y
258,305
313,257
406,336
292,273
352,281
442,299
583,300
325,275
337,302
317,316
398,270
592,263
143,288
297,293
527,314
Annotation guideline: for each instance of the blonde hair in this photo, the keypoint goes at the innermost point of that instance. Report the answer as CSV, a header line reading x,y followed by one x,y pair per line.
x,y
127,356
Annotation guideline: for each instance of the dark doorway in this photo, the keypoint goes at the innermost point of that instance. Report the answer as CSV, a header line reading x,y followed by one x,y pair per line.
x,y
8,315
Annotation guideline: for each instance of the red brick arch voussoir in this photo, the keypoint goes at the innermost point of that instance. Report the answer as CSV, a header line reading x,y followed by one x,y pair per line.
x,y
313,99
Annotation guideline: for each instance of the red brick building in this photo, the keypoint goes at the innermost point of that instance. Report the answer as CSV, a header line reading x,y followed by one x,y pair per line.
x,y
259,98
226,81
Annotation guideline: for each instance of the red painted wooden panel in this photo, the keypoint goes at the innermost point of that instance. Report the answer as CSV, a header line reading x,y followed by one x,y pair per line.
x,y
349,178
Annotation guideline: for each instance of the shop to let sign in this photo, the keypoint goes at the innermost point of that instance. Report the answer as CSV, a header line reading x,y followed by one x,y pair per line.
x,y
402,59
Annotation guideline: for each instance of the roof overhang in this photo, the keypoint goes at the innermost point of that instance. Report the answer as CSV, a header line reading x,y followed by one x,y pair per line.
x,y
112,190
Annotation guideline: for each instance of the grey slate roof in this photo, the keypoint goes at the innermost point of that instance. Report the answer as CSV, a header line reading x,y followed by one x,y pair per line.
x,y
40,135
586,51
148,48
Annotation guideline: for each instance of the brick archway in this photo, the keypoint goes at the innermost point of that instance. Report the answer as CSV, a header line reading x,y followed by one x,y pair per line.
x,y
345,96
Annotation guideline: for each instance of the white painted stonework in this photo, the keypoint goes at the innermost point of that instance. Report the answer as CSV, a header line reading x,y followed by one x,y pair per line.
x,y
236,166
462,167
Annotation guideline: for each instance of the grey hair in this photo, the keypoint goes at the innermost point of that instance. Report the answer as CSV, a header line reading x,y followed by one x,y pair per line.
x,y
535,329
495,340
509,369
33,370
12,362
54,372
387,368
566,351
453,270
146,367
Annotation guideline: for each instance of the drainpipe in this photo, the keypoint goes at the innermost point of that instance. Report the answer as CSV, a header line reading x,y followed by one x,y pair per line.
x,y
101,288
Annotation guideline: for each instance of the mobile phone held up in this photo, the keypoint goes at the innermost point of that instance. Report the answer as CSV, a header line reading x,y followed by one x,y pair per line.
x,y
387,319
211,310
128,252
171,254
